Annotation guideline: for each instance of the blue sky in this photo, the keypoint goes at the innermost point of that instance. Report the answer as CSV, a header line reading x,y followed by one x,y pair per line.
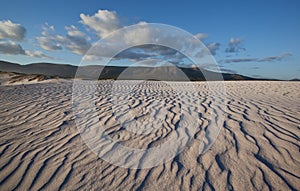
x,y
254,38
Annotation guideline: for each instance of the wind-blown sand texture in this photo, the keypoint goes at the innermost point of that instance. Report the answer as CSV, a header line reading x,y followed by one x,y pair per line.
x,y
257,147
10,78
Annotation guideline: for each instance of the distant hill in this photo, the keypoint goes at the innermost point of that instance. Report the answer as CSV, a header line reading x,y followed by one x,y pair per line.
x,y
295,79
116,72
60,70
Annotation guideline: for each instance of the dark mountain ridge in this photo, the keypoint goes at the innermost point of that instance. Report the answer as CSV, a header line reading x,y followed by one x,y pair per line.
x,y
169,73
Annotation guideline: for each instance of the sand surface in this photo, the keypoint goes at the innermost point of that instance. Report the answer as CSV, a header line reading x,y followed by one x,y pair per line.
x,y
10,78
257,147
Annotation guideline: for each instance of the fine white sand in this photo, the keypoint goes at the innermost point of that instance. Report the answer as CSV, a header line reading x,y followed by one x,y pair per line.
x,y
257,147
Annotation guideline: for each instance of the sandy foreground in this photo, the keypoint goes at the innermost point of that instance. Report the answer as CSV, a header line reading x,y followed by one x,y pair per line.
x,y
257,147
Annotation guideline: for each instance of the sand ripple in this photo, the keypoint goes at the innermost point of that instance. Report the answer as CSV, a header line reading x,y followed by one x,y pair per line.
x,y
257,148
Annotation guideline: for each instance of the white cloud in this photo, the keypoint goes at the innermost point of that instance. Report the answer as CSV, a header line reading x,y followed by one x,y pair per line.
x,y
50,43
36,54
75,40
11,31
12,48
103,22
49,40
235,45
213,47
201,36
143,33
137,43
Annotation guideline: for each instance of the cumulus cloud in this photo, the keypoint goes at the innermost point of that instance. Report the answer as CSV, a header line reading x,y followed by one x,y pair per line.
x,y
37,54
50,43
156,49
234,45
213,47
201,36
151,52
265,59
134,55
103,22
11,31
11,48
142,38
75,40
49,40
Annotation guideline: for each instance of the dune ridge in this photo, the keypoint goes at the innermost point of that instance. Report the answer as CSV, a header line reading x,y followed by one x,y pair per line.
x,y
257,147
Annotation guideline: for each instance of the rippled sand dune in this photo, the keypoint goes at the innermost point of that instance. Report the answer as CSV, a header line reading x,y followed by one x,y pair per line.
x,y
257,147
